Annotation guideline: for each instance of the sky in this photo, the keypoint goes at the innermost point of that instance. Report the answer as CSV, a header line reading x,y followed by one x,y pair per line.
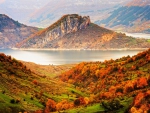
x,y
1,1
19,9
26,10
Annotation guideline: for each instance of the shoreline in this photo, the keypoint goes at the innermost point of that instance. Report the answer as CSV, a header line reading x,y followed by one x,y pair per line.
x,y
50,49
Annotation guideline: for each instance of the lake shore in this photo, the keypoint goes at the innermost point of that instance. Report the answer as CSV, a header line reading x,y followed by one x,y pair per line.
x,y
61,49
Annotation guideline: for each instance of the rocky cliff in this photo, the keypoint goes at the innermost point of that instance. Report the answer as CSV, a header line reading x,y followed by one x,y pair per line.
x,y
76,32
65,25
12,32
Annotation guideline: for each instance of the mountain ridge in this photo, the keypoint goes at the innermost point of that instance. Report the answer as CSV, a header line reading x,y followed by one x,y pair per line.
x,y
12,31
132,17
77,32
96,10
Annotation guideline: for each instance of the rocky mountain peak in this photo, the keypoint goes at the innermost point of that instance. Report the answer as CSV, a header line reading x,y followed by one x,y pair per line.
x,y
69,23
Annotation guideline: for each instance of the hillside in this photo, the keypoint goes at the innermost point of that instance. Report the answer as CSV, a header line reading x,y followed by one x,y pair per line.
x,y
12,32
26,90
133,17
77,32
120,86
116,86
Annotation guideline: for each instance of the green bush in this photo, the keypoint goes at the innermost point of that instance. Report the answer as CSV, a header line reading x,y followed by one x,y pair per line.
x,y
112,105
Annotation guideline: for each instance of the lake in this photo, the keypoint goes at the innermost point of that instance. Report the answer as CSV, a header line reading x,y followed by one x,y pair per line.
x,y
60,57
138,35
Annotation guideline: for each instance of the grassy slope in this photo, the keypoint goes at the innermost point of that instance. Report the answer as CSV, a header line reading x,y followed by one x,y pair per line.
x,y
22,89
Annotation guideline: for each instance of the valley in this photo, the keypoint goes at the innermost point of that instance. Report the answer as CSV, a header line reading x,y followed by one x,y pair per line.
x,y
90,57
112,85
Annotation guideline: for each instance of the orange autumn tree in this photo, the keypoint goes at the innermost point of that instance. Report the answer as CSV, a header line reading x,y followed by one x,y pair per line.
x,y
142,82
50,106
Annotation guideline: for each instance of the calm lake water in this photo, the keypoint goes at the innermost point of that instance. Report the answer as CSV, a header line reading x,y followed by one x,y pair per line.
x,y
59,57
138,35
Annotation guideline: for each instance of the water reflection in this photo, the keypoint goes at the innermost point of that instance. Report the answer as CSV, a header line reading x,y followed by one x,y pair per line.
x,y
66,57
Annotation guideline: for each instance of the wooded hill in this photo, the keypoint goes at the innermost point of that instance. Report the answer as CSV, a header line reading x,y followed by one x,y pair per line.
x,y
116,86
121,85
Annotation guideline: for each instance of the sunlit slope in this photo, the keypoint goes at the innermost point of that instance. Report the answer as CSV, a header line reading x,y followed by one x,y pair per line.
x,y
22,89
115,84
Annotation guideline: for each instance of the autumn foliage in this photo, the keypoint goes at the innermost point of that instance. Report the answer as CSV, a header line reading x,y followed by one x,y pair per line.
x,y
111,78
141,103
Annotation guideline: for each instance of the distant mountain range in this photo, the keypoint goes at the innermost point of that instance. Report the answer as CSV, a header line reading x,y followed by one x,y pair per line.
x,y
97,10
12,32
77,32
133,17
127,15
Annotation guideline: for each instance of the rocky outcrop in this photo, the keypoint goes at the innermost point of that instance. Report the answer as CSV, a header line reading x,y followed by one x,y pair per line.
x,y
12,32
65,25
76,32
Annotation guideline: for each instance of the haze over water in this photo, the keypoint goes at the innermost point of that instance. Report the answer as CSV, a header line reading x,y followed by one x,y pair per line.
x,y
60,57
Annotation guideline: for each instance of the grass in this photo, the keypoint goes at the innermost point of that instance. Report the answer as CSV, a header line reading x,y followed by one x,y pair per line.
x,y
59,98
63,96
4,98
126,103
143,69
148,40
44,72
32,102
96,108
77,92
5,102
102,66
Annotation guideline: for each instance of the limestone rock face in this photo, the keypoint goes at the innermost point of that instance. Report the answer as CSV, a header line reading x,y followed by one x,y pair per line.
x,y
71,23
65,25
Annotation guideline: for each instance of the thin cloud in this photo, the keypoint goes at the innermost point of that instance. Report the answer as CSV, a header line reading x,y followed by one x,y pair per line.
x,y
1,1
